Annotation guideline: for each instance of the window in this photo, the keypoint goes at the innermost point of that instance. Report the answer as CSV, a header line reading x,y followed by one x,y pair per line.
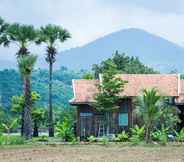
x,y
123,115
123,119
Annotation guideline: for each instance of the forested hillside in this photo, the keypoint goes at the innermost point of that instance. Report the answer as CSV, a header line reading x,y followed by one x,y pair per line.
x,y
10,85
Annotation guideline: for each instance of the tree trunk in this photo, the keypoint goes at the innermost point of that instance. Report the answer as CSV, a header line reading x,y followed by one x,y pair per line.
x,y
50,113
27,108
22,123
35,131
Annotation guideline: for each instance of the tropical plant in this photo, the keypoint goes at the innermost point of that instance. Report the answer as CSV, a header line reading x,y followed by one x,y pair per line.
x,y
161,135
104,140
3,28
137,134
65,130
180,135
108,96
22,36
26,65
148,107
92,139
122,137
51,35
88,76
9,125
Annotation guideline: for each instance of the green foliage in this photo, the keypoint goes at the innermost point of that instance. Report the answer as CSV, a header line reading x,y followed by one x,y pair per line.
x,y
65,130
9,125
161,135
109,89
148,107
92,139
137,134
42,139
125,64
11,140
180,135
122,137
104,140
26,64
88,76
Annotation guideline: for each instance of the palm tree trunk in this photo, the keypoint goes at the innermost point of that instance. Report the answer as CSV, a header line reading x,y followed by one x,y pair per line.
x,y
50,115
27,108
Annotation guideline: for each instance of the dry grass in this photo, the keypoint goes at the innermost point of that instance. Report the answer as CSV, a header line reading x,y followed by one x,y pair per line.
x,y
92,153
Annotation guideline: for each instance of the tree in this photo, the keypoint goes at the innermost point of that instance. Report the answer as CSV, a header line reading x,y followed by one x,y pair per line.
x,y
26,65
22,36
37,113
108,97
51,35
3,28
149,109
125,64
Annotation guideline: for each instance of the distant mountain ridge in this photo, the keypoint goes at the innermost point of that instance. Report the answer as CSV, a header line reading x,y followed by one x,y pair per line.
x,y
152,50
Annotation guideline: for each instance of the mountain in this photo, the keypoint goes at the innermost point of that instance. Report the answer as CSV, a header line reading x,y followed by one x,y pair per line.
x,y
152,50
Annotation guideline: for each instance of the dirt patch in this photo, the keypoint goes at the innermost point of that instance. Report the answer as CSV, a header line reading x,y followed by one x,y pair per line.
x,y
92,153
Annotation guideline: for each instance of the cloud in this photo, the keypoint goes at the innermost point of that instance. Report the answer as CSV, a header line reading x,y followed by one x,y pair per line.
x,y
88,20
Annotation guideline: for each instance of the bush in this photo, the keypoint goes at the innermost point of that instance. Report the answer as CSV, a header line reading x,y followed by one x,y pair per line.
x,y
137,134
92,139
161,135
180,135
65,130
11,140
104,140
122,137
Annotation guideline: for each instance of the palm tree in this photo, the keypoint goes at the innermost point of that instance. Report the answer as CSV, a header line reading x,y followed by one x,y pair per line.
x,y
3,28
148,108
51,35
22,36
26,65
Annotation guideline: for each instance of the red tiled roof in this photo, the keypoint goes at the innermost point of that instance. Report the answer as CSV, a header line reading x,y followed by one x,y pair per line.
x,y
167,85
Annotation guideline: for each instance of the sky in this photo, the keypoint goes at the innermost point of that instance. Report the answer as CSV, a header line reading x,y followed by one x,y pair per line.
x,y
88,20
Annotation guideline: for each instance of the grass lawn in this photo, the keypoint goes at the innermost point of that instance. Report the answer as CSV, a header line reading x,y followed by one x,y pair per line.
x,y
92,153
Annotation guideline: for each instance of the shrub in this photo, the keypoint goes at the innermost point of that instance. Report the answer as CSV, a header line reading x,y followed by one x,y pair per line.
x,y
104,140
65,130
11,140
92,139
180,135
137,134
161,135
122,137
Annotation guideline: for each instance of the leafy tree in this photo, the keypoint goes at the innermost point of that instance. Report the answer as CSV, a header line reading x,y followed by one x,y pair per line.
x,y
50,35
37,113
3,27
124,64
26,65
88,76
107,98
149,109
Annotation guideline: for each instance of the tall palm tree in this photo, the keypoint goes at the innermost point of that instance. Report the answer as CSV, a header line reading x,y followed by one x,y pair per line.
x,y
148,108
26,65
22,36
51,35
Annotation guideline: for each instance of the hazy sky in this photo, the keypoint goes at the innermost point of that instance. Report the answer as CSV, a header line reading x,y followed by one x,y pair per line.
x,y
90,19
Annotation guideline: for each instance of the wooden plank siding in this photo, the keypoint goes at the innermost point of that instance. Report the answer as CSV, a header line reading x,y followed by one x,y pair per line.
x,y
91,122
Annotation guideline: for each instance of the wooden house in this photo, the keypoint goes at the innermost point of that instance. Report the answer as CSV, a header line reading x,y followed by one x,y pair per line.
x,y
91,122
